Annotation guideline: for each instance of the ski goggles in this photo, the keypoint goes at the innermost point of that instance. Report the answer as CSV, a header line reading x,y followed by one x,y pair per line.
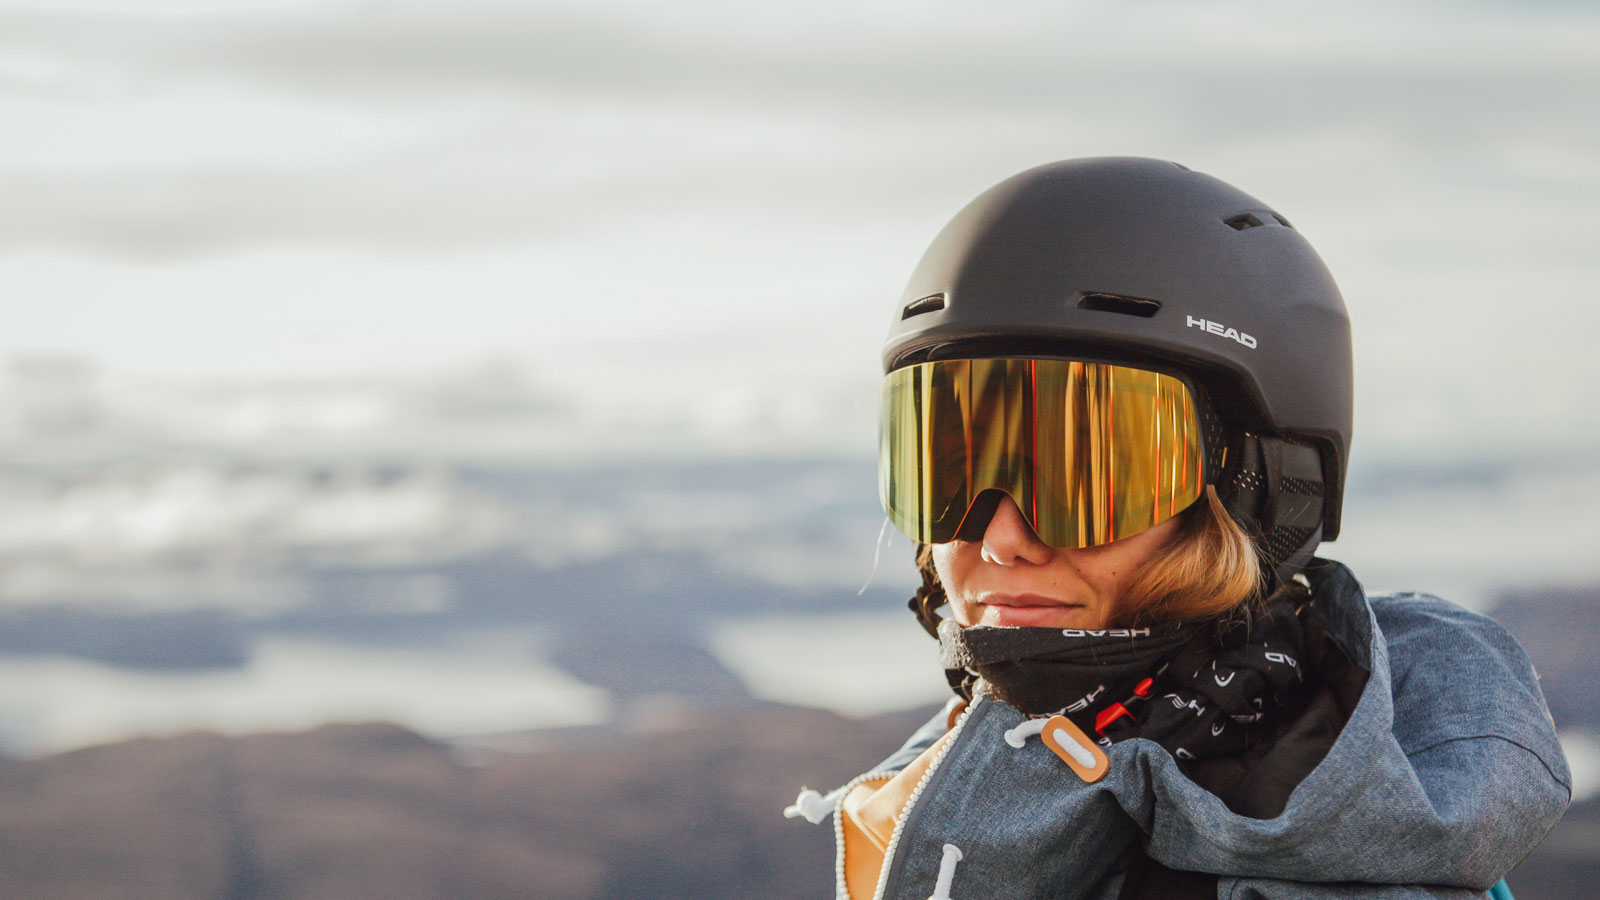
x,y
1089,452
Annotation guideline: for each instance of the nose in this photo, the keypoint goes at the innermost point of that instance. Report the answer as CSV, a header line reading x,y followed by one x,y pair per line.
x,y
1010,541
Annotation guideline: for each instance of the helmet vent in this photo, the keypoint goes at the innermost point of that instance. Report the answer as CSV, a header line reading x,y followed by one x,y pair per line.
x,y
1248,220
1117,303
928,304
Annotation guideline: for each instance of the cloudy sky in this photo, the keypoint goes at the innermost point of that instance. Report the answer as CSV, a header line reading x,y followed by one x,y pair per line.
x,y
545,230
647,225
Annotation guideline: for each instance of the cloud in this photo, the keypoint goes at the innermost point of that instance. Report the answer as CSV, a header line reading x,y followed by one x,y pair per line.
x,y
406,48
414,127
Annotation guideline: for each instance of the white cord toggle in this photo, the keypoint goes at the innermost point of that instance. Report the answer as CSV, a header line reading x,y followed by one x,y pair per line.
x,y
947,872
1030,728
811,806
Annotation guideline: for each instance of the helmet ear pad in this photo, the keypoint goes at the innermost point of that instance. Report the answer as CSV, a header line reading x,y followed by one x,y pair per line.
x,y
1275,490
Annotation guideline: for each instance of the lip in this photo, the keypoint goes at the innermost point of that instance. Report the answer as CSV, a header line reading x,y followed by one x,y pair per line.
x,y
1028,611
1021,601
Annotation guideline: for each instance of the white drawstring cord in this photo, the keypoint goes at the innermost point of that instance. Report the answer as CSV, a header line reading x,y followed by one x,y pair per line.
x,y
812,806
1017,736
947,872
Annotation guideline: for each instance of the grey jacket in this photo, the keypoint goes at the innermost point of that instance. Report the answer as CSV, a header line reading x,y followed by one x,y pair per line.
x,y
1446,774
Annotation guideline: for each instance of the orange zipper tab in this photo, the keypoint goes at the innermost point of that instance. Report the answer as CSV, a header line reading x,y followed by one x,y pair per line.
x,y
1069,742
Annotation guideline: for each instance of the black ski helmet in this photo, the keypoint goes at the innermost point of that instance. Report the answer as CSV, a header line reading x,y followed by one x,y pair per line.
x,y
1143,261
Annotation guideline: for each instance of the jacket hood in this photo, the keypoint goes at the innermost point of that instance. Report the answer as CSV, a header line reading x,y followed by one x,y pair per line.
x,y
1443,786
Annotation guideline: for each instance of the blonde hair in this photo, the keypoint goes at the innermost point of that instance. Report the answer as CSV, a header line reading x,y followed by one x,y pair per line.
x,y
1207,567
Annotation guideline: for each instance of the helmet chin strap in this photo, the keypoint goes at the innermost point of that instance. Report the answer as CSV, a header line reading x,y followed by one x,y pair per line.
x,y
1277,494
1298,559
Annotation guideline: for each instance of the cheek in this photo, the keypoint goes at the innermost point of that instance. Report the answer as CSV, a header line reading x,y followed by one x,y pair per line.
x,y
1114,567
944,566
952,569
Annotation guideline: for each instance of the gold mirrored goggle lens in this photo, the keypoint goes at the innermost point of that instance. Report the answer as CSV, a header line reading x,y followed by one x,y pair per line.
x,y
1090,452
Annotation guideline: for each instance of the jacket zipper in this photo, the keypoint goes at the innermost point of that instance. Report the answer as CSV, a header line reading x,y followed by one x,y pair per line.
x,y
843,890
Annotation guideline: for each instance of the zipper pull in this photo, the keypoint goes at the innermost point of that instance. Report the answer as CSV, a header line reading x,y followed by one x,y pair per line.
x,y
812,806
947,872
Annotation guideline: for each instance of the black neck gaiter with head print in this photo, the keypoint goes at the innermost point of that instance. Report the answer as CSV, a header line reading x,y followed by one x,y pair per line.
x,y
1213,684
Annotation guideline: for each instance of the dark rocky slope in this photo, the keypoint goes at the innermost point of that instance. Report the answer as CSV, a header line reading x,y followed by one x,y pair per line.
x,y
373,811
687,811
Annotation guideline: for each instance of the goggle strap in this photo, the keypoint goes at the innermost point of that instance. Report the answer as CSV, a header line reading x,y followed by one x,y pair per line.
x,y
1216,437
1272,457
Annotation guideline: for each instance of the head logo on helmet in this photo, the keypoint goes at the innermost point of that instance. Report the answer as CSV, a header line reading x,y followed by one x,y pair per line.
x,y
1219,328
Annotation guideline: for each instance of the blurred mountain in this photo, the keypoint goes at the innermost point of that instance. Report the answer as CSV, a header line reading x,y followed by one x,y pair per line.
x,y
1557,626
1567,864
688,812
359,811
177,640
638,666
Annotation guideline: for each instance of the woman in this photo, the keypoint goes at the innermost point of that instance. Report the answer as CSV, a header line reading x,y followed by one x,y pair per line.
x,y
1115,419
